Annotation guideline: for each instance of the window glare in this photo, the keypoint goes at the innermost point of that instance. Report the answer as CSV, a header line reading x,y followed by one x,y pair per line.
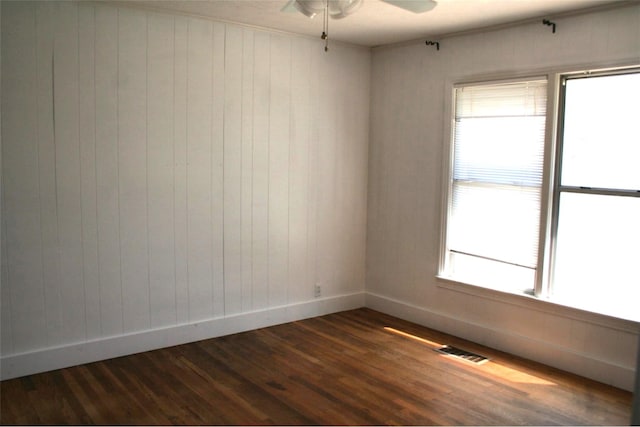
x,y
506,150
601,128
496,222
597,253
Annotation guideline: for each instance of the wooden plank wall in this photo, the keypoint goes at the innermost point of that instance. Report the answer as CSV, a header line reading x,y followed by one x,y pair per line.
x,y
159,170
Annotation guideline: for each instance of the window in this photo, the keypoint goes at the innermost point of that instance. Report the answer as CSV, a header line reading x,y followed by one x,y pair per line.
x,y
497,190
597,237
494,208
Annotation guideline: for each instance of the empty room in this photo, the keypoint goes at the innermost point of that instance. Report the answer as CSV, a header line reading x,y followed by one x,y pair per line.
x,y
310,212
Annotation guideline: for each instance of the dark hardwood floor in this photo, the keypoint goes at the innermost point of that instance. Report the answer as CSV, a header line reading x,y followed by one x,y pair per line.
x,y
357,367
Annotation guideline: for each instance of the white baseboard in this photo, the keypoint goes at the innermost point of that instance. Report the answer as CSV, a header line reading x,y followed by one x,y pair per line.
x,y
502,339
17,365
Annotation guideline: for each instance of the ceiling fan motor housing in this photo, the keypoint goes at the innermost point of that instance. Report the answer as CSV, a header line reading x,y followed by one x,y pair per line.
x,y
337,8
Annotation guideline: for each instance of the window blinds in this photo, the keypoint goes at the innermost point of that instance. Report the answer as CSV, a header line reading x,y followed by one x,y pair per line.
x,y
498,151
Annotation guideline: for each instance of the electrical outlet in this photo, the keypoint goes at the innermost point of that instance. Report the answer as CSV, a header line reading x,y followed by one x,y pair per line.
x,y
317,290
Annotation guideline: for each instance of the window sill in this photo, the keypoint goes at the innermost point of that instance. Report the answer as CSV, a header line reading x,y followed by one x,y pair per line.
x,y
539,304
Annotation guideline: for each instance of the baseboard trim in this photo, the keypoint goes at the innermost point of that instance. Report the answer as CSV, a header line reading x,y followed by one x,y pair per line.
x,y
18,365
33,362
504,340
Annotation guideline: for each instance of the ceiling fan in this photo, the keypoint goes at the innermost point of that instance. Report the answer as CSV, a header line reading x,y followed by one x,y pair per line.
x,y
338,9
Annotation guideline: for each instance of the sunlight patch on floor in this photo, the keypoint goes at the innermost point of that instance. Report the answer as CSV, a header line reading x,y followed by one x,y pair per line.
x,y
411,336
493,368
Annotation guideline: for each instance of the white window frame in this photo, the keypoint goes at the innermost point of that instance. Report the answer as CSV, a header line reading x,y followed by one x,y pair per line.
x,y
540,297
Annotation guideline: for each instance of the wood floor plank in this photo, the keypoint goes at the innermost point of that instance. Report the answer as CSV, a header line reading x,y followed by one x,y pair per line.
x,y
358,367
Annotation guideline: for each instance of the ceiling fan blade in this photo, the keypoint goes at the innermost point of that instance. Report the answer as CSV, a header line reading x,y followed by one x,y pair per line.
x,y
415,6
289,7
337,9
309,8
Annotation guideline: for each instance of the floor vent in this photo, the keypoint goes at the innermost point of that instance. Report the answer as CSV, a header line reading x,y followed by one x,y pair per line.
x,y
462,354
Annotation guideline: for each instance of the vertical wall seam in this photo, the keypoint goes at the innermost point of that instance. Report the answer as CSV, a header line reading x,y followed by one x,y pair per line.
x,y
35,19
173,166
248,136
317,106
186,143
310,182
268,170
241,213
308,175
55,153
213,142
252,134
118,162
213,168
82,230
95,159
146,156
3,223
290,124
224,140
37,63
311,276
253,192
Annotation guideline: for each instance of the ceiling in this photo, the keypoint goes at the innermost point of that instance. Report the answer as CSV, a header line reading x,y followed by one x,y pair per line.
x,y
376,23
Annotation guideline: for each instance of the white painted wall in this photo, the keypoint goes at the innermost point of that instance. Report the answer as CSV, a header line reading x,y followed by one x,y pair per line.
x,y
409,85
161,171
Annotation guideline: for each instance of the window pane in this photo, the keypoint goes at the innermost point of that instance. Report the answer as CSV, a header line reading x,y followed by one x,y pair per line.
x,y
601,143
492,274
597,254
501,150
496,222
494,210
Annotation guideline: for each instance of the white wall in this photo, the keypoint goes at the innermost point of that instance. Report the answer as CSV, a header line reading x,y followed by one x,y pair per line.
x,y
161,171
409,85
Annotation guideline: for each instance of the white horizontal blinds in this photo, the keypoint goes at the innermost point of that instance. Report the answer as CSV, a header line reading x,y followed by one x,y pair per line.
x,y
499,137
